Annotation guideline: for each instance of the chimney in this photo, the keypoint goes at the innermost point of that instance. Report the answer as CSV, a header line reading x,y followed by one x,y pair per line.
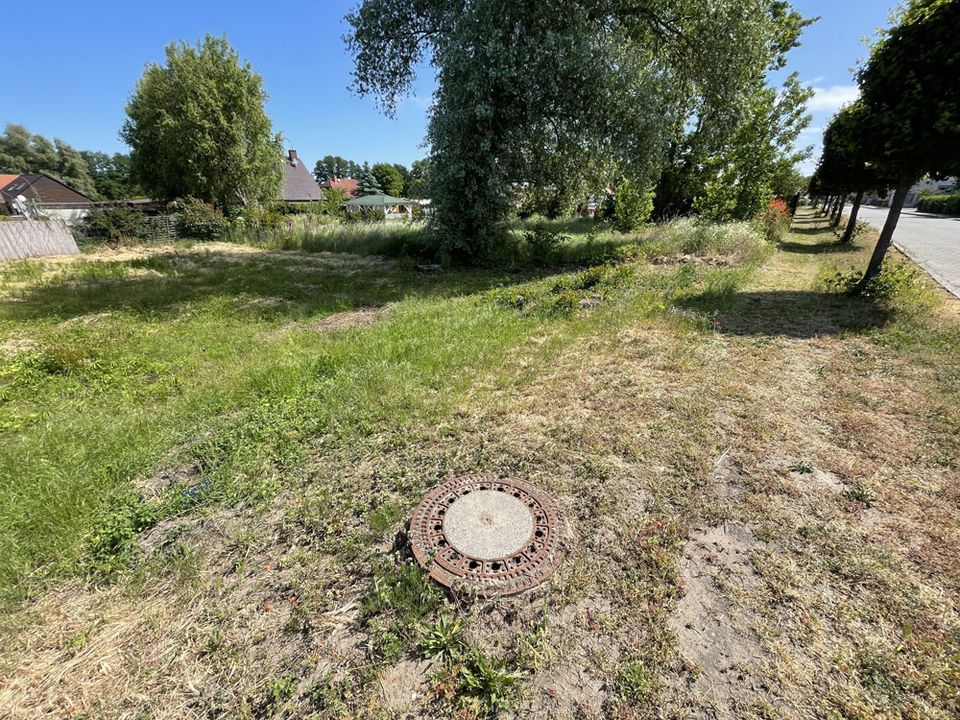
x,y
293,157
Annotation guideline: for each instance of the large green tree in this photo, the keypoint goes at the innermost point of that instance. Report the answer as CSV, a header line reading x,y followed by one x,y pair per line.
x,y
111,174
557,92
23,152
417,183
739,179
334,166
752,142
197,127
389,178
911,85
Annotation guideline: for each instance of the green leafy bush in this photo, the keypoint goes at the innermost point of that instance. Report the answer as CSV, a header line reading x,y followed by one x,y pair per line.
x,y
940,204
116,224
892,280
199,220
543,243
633,206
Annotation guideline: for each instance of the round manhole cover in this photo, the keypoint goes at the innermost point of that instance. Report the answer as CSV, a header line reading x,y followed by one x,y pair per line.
x,y
495,535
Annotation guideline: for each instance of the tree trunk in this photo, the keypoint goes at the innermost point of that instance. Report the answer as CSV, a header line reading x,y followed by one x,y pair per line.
x,y
852,222
838,210
886,235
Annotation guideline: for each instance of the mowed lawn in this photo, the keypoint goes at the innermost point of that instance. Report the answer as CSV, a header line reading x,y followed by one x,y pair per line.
x,y
208,454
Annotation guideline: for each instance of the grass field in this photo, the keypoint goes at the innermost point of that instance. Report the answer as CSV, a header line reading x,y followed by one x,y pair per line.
x,y
208,451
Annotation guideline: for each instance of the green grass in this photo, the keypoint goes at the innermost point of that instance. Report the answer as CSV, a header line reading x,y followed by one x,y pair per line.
x,y
206,358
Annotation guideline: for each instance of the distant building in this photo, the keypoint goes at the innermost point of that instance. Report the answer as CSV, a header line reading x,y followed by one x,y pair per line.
x,y
924,187
44,194
298,183
350,186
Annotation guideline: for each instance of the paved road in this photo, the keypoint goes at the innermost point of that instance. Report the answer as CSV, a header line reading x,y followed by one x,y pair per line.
x,y
932,241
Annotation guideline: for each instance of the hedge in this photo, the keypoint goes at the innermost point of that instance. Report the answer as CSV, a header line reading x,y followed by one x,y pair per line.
x,y
940,204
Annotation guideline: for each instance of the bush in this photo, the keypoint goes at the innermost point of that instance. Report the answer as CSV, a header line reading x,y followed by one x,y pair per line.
x,y
894,279
940,204
633,205
774,221
116,224
199,220
543,243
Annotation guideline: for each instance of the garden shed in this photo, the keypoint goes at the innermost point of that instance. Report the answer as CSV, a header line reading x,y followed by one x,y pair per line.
x,y
393,208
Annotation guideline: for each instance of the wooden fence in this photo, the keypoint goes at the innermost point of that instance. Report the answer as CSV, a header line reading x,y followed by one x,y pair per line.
x,y
35,238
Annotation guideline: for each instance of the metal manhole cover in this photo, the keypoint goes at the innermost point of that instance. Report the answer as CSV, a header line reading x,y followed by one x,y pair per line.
x,y
495,535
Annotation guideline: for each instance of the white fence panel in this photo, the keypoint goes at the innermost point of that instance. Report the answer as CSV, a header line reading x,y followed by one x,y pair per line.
x,y
35,238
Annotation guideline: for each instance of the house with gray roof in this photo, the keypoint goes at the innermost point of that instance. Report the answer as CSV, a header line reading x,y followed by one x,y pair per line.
x,y
298,182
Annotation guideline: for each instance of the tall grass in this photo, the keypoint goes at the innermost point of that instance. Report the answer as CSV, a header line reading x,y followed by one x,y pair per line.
x,y
308,233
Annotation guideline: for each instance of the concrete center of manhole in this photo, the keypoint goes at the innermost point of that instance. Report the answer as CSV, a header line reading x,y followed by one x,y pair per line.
x,y
488,524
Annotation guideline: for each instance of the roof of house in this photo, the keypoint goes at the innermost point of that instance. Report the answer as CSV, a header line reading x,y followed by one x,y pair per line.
x,y
42,188
298,183
377,201
348,185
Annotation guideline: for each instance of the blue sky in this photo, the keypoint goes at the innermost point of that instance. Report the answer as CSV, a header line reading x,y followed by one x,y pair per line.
x,y
75,64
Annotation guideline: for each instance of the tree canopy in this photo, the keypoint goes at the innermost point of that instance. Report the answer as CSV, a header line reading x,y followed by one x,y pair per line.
x,y
568,94
23,152
334,166
388,178
111,175
910,85
197,127
368,183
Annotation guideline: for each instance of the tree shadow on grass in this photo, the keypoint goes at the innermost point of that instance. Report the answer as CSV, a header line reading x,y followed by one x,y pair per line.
x,y
239,284
790,313
816,248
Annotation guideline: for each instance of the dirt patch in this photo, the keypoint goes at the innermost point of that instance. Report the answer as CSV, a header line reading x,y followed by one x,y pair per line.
x,y
15,346
153,486
402,685
714,628
350,319
572,683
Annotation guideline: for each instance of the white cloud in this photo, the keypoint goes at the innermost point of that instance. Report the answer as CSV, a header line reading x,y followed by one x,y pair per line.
x,y
833,98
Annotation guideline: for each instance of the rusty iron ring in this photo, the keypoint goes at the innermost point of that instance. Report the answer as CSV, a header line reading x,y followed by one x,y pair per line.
x,y
507,575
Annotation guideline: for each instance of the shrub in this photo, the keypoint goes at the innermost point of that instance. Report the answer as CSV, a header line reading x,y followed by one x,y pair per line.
x,y
633,205
774,221
116,224
365,215
543,243
199,220
893,279
940,204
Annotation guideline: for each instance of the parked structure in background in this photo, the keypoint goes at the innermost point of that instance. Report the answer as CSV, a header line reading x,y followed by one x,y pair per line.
x,y
350,186
41,196
393,208
927,186
299,185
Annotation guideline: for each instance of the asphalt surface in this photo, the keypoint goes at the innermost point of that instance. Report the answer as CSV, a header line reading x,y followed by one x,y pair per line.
x,y
931,241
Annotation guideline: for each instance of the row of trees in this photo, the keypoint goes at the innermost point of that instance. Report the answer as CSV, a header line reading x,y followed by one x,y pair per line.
x,y
393,179
97,174
906,123
571,96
